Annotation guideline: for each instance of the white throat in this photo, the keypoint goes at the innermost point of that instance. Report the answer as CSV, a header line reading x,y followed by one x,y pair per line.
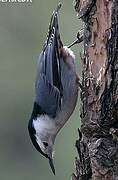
x,y
44,123
45,130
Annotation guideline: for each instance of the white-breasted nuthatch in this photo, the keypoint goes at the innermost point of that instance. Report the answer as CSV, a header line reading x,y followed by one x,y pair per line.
x,y
56,91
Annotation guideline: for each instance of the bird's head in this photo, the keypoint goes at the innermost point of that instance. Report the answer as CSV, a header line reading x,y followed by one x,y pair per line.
x,y
42,134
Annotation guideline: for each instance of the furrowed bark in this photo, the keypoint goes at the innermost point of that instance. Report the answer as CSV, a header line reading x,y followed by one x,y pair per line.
x,y
98,136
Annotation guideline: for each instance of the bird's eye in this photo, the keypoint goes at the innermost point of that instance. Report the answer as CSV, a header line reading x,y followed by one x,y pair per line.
x,y
45,144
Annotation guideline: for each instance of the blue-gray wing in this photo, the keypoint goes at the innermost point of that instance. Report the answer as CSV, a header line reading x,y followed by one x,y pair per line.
x,y
48,83
47,96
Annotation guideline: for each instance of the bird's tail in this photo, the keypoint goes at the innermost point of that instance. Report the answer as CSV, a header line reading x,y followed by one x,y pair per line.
x,y
54,28
51,55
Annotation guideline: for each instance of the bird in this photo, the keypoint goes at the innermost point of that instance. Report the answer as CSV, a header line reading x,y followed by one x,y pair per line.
x,y
56,91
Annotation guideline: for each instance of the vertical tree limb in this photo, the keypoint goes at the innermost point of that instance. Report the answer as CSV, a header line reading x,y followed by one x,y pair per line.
x,y
98,143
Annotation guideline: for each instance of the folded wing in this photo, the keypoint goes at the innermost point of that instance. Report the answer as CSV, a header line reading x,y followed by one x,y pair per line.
x,y
49,89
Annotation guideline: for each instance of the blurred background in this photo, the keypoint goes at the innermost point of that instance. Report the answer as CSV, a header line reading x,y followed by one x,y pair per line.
x,y
23,29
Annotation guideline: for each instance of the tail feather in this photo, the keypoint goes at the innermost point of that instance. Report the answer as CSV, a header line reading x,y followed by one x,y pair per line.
x,y
54,25
51,52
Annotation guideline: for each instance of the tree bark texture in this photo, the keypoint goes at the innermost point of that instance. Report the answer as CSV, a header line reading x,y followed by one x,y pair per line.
x,y
97,145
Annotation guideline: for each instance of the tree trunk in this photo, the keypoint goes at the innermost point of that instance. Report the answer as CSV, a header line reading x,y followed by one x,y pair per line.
x,y
98,136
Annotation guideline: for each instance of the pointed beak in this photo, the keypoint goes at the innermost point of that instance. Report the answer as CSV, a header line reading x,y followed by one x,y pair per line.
x,y
52,165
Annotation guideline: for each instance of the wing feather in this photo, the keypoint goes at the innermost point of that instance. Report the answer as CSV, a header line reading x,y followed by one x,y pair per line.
x,y
47,96
48,81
